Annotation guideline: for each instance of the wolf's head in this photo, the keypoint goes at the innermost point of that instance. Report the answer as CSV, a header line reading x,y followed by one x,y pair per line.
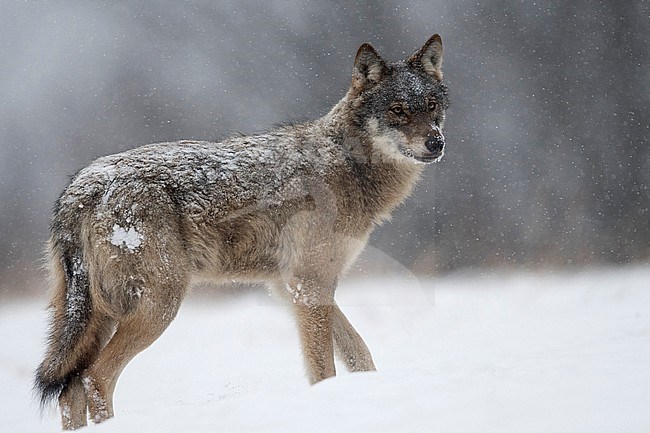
x,y
401,105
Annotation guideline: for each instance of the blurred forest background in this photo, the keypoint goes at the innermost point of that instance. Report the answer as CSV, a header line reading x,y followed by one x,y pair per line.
x,y
547,163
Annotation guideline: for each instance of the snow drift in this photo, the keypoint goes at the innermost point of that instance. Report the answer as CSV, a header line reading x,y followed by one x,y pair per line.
x,y
497,353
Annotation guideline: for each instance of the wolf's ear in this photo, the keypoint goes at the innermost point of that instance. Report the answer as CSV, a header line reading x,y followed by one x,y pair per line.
x,y
429,57
369,67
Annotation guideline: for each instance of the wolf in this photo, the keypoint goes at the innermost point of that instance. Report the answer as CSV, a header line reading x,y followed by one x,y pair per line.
x,y
292,207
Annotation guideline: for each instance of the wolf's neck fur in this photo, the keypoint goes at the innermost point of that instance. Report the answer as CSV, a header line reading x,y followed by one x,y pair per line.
x,y
388,180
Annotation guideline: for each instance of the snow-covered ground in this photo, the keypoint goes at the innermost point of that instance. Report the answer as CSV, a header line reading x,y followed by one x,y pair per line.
x,y
500,353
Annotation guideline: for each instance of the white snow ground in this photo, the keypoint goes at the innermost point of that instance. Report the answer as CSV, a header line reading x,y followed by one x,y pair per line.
x,y
498,353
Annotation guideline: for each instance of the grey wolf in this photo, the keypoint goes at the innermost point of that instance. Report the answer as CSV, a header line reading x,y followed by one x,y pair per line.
x,y
292,207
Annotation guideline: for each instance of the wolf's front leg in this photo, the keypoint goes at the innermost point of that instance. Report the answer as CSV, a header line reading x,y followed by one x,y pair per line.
x,y
350,347
315,328
313,303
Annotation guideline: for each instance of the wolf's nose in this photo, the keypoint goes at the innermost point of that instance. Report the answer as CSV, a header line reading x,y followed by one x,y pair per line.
x,y
435,144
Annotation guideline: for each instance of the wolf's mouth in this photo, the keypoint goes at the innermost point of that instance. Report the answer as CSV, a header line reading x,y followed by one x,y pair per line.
x,y
428,159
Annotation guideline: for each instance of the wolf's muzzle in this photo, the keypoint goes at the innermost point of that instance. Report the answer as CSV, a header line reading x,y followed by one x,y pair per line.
x,y
435,144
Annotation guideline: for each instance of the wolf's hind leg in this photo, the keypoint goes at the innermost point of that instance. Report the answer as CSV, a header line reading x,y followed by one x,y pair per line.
x,y
134,334
72,402
350,347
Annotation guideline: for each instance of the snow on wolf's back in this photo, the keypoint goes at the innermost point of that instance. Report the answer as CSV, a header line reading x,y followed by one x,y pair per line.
x,y
215,174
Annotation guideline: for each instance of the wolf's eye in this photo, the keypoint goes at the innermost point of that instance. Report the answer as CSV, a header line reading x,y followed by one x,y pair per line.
x,y
431,105
397,109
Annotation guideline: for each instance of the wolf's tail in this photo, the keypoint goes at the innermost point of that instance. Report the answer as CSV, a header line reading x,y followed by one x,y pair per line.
x,y
73,342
